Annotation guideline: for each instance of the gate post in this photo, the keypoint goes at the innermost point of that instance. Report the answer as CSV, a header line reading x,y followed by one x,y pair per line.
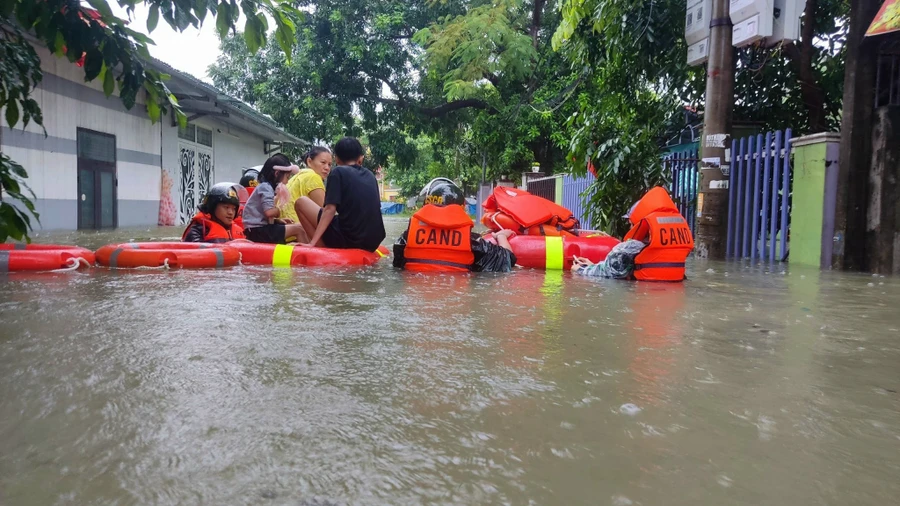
x,y
814,197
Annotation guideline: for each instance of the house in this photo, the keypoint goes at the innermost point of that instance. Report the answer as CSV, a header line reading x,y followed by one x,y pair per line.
x,y
104,166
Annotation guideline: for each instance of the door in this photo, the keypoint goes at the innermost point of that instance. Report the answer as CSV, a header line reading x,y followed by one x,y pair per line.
x,y
196,168
97,205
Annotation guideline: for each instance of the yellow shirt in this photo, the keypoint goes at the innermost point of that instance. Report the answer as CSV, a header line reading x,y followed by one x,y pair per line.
x,y
300,185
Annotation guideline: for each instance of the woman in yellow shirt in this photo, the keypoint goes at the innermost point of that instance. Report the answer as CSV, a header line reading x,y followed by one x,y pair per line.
x,y
309,182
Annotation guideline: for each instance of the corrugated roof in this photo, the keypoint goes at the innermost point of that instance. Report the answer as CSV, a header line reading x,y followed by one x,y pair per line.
x,y
225,108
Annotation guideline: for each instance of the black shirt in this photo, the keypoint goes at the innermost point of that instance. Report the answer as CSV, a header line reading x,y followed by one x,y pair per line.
x,y
353,190
489,257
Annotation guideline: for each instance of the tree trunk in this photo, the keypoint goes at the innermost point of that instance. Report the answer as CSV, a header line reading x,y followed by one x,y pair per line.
x,y
856,145
802,60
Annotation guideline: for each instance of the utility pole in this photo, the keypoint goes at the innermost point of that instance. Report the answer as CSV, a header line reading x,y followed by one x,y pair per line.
x,y
712,201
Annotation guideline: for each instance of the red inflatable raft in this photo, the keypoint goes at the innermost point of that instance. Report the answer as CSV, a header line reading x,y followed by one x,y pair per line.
x,y
557,253
286,255
43,257
188,255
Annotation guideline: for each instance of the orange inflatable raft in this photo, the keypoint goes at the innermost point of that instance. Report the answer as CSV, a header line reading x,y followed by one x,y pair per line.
x,y
188,255
557,253
287,255
43,257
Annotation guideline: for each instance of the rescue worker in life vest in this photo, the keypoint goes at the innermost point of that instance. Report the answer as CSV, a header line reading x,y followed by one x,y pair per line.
x,y
215,221
654,249
440,237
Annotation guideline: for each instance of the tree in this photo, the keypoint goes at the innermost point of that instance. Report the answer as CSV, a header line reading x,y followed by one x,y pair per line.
x,y
638,85
109,51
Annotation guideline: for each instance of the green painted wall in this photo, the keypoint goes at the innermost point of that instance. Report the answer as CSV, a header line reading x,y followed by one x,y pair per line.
x,y
807,204
559,190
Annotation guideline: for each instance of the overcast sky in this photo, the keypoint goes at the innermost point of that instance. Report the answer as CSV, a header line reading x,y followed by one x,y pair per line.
x,y
191,51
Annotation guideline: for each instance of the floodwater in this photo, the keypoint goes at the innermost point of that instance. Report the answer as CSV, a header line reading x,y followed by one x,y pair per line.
x,y
744,385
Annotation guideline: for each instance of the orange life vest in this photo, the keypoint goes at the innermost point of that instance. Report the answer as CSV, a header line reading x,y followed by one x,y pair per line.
x,y
656,221
213,231
526,214
439,239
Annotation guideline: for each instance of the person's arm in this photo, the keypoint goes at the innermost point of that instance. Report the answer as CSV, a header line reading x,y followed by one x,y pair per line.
x,y
194,233
399,259
317,196
328,213
492,257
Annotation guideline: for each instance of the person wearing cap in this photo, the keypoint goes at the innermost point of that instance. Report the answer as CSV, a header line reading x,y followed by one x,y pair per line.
x,y
440,237
250,180
215,220
262,214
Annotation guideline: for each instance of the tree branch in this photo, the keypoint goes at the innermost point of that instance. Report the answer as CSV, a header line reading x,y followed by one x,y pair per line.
x,y
433,111
536,21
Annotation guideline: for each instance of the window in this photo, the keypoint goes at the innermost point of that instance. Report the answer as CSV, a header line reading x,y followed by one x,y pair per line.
x,y
188,133
204,136
96,146
700,14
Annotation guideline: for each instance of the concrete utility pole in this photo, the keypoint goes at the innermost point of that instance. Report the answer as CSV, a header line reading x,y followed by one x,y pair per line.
x,y
712,203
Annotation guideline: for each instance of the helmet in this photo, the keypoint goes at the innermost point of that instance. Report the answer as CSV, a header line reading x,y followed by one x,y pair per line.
x,y
221,193
441,192
250,178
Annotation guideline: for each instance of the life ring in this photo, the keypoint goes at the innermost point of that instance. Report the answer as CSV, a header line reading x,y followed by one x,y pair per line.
x,y
557,253
43,257
286,255
188,255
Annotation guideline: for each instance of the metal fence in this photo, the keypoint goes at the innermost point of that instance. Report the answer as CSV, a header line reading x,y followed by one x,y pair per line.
x,y
573,196
543,187
685,170
759,197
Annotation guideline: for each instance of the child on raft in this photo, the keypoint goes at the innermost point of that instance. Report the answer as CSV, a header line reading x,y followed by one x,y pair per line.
x,y
215,220
262,216
440,237
351,216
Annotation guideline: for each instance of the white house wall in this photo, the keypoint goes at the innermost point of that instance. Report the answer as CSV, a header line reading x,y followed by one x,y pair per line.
x,y
68,103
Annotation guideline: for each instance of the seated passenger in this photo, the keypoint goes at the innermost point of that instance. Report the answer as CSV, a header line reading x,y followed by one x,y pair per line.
x,y
262,214
351,218
309,182
215,221
440,237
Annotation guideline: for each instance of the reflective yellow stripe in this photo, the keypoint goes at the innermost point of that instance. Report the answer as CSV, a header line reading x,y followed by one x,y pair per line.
x,y
380,254
554,251
282,255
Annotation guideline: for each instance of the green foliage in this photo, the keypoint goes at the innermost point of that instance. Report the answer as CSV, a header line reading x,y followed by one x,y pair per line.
x,y
111,52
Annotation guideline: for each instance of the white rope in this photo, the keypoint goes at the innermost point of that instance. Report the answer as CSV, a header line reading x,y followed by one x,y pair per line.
x,y
73,264
165,266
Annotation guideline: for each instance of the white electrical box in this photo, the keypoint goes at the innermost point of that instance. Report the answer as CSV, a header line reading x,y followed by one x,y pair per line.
x,y
752,20
698,53
696,22
786,25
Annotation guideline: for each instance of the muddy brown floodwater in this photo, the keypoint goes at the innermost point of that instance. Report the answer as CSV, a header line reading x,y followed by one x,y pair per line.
x,y
744,385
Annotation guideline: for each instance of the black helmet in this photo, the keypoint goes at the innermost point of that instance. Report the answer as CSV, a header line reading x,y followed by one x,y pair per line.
x,y
441,192
250,178
221,193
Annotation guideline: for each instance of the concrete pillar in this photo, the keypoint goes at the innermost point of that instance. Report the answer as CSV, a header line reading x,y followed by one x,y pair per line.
x,y
813,200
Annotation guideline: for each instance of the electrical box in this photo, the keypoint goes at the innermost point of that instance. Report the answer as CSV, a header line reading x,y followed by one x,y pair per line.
x,y
698,53
786,25
752,20
696,22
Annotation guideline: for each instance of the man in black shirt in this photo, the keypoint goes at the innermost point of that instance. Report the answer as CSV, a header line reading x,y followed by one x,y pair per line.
x,y
351,217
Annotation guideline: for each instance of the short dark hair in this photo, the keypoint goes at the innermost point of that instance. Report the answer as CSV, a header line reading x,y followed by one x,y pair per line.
x,y
267,174
348,149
